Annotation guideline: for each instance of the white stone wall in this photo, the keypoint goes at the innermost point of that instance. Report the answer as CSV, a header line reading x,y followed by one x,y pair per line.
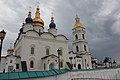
x,y
105,74
27,27
40,43
38,28
53,31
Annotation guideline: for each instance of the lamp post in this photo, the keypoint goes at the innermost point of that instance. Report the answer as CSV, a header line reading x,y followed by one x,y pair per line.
x,y
59,52
2,36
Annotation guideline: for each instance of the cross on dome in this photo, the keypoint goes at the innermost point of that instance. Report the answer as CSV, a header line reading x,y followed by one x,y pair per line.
x,y
38,3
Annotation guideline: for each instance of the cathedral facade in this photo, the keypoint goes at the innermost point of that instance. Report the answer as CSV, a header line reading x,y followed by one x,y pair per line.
x,y
39,50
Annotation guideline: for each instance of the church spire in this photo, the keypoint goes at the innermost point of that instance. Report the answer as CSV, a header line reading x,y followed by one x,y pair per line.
x,y
52,24
10,50
77,23
77,18
52,18
29,20
37,21
29,14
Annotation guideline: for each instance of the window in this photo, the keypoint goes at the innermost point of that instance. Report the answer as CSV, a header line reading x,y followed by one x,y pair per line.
x,y
74,65
10,68
31,64
61,64
10,61
32,50
83,36
39,31
17,66
78,60
47,51
70,58
60,50
52,66
85,48
44,66
76,36
77,49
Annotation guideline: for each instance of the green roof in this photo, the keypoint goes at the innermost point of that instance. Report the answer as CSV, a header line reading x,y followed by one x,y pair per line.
x,y
22,74
31,74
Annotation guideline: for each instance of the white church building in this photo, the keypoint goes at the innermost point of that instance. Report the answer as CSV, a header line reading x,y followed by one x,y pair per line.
x,y
39,50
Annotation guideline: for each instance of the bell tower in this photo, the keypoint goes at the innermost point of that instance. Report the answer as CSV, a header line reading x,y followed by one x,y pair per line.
x,y
80,44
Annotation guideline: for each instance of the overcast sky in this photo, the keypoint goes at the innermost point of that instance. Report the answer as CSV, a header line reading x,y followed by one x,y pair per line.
x,y
100,17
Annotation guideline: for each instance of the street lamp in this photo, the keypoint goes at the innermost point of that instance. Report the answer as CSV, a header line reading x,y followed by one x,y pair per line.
x,y
59,53
2,36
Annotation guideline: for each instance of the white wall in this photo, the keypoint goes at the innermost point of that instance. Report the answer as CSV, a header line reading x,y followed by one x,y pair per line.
x,y
94,74
40,43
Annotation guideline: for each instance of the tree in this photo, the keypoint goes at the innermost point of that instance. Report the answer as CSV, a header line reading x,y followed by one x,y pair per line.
x,y
106,60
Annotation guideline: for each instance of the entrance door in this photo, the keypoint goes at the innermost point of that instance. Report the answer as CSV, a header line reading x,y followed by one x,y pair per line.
x,y
79,66
24,66
52,66
10,68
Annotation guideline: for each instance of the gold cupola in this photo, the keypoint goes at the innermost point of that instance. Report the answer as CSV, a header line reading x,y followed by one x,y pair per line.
x,y
77,23
37,21
11,50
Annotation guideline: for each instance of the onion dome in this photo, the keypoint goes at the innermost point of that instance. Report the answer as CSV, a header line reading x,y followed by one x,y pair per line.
x,y
10,50
77,23
52,24
21,30
37,21
29,20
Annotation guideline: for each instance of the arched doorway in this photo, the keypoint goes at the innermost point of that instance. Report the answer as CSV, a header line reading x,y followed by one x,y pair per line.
x,y
51,66
79,66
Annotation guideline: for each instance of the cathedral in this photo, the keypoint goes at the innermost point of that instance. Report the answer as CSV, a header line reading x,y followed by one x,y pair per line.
x,y
39,50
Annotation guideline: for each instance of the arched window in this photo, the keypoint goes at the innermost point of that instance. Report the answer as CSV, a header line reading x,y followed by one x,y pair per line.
x,y
32,50
79,66
44,66
39,31
31,64
83,36
52,66
47,51
76,36
11,61
60,51
77,49
85,48
61,64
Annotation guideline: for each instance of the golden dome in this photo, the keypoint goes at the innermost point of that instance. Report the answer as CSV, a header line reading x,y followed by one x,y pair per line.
x,y
10,50
37,21
77,23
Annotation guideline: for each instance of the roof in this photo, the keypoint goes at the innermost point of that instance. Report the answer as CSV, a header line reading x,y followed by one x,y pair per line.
x,y
31,74
49,56
10,55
